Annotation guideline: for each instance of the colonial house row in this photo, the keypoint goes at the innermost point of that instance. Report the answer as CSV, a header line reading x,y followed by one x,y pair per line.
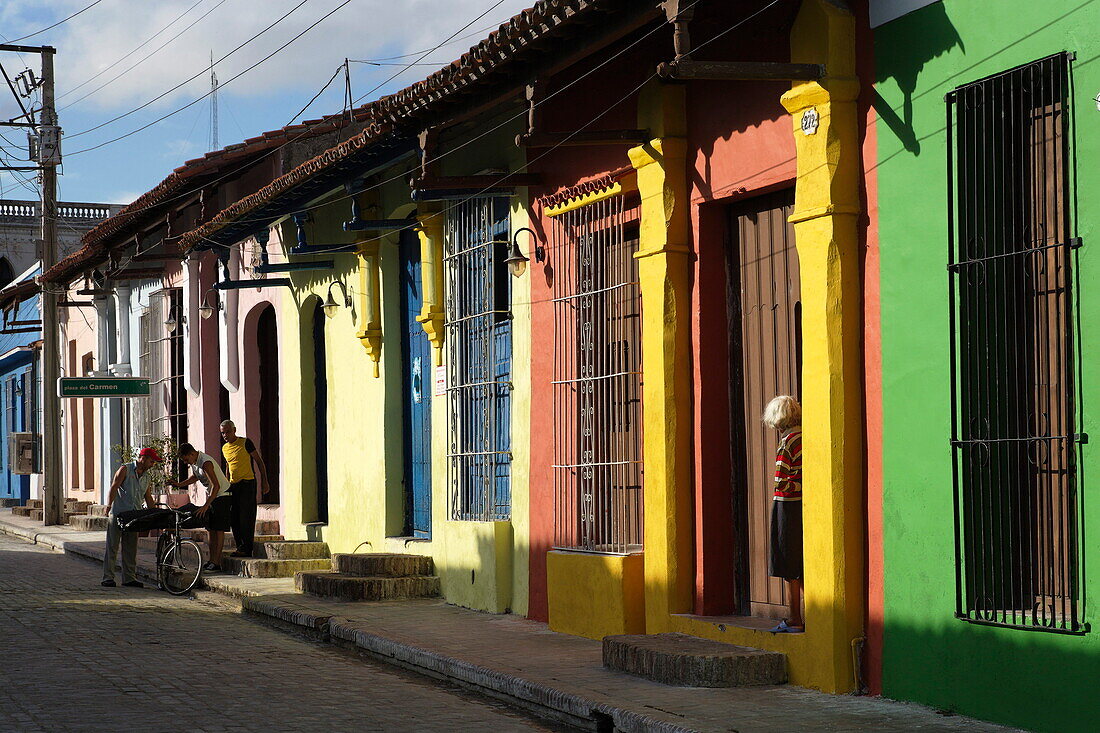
x,y
21,339
492,325
523,317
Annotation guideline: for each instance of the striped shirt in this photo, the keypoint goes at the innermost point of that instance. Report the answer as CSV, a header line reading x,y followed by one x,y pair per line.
x,y
788,467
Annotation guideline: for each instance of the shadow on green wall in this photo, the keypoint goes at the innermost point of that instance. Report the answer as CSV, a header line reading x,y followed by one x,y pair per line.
x,y
1032,679
904,62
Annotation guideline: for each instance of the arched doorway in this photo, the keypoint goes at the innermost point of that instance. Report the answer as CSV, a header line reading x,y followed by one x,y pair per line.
x,y
7,274
267,348
320,394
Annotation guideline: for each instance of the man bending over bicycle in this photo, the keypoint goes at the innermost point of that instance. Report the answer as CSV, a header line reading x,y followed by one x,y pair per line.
x,y
207,499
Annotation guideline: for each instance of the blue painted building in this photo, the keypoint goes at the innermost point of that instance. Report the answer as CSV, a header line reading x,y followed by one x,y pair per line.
x,y
20,388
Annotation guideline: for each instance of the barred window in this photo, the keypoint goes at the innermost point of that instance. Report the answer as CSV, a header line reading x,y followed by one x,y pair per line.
x,y
478,324
597,378
142,414
1014,415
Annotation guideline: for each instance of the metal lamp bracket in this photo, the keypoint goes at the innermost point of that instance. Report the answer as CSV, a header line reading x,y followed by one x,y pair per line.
x,y
534,138
683,68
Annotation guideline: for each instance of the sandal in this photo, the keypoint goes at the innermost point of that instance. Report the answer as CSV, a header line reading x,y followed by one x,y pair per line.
x,y
784,628
210,567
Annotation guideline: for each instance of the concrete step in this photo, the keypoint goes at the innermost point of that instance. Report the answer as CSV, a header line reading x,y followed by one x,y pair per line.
x,y
258,567
293,550
36,514
87,522
267,526
34,503
356,588
689,661
9,502
81,507
21,511
98,510
382,564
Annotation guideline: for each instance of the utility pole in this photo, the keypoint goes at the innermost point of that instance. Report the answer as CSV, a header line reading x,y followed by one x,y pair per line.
x,y
49,155
46,156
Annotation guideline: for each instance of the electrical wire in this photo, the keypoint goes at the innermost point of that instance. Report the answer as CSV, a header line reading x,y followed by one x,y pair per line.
x,y
484,134
503,178
315,96
140,61
448,39
195,101
50,27
205,69
296,137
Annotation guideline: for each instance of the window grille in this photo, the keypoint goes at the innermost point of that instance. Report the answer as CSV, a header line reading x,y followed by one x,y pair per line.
x,y
597,378
1013,410
478,324
167,391
142,408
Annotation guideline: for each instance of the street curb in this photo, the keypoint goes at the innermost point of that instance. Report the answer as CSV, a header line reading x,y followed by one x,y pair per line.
x,y
534,697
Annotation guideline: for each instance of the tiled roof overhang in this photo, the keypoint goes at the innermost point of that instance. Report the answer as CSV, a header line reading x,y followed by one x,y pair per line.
x,y
176,185
302,185
524,37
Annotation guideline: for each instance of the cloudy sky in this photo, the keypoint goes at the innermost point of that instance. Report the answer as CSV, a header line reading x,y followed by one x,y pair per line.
x,y
153,56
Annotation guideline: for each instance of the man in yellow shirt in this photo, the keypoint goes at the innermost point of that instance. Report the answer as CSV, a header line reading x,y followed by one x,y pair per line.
x,y
240,453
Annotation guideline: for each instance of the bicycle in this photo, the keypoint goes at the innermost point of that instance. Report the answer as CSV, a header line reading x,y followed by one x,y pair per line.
x,y
179,559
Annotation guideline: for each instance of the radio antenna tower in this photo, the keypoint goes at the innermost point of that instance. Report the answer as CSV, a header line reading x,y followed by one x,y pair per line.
x,y
213,106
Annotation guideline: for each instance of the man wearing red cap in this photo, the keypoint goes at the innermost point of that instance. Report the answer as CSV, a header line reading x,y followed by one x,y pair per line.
x,y
129,490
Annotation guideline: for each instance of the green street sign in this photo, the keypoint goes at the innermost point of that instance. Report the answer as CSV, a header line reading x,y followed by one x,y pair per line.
x,y
103,387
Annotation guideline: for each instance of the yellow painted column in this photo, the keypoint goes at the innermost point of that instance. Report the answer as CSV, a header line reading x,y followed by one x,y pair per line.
x,y
429,230
827,205
370,308
664,269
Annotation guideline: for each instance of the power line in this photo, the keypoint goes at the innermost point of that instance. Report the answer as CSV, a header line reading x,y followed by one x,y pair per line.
x,y
228,81
63,20
441,156
503,178
191,78
315,96
467,142
132,51
142,60
449,38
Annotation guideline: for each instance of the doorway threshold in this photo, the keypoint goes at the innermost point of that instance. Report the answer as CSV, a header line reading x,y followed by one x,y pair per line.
x,y
756,623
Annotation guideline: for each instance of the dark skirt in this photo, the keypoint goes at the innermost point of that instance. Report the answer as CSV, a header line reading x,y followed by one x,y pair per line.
x,y
785,558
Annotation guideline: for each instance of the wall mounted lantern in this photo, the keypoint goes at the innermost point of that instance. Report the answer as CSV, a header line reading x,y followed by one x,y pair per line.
x,y
207,308
331,305
517,263
172,320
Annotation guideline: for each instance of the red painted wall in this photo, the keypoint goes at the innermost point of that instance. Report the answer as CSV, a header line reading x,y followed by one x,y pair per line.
x,y
602,97
872,360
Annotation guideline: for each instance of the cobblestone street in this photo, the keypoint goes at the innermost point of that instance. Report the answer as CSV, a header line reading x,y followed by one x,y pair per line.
x,y
78,657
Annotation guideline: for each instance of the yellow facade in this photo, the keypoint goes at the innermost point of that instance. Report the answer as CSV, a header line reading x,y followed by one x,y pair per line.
x,y
595,595
826,208
481,565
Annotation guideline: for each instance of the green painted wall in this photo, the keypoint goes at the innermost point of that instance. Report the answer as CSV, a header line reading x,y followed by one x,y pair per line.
x,y
1033,679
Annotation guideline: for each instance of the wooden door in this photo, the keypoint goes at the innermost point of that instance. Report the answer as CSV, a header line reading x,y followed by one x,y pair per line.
x,y
766,356
270,435
416,361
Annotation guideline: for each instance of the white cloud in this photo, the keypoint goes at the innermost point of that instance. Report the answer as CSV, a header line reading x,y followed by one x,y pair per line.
x,y
362,29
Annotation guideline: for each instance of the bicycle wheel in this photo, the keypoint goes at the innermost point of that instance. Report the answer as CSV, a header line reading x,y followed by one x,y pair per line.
x,y
166,540
181,567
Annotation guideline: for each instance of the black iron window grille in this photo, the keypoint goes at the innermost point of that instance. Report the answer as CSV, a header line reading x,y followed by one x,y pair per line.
x,y
479,360
597,378
1013,409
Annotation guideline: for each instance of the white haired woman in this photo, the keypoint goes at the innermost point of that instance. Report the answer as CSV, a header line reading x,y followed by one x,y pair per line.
x,y
784,414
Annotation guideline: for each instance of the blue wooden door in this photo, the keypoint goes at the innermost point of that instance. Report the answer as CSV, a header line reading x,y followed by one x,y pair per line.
x,y
417,369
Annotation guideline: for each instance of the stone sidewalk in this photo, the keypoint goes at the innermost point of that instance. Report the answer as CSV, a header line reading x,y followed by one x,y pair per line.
x,y
525,664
